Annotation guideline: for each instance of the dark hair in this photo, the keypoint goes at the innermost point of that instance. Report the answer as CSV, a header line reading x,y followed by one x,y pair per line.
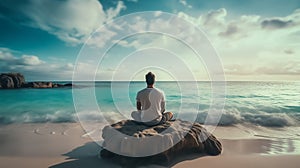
x,y
150,78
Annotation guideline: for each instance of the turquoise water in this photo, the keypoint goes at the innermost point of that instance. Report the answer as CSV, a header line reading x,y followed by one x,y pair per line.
x,y
269,104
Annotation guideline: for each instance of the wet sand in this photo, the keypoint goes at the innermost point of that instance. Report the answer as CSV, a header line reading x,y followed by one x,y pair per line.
x,y
64,145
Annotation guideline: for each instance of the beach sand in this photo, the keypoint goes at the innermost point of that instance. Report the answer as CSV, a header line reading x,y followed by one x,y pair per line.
x,y
64,145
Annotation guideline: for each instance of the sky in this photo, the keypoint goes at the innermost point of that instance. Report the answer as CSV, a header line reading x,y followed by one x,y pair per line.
x,y
252,40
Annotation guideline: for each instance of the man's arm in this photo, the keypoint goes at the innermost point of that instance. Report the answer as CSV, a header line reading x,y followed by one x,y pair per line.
x,y
138,102
163,106
163,103
138,105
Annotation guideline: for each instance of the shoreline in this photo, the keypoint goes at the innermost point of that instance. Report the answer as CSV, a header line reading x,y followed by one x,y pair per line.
x,y
59,145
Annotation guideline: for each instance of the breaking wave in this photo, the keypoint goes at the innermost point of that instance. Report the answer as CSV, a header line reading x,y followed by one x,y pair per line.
x,y
228,118
233,117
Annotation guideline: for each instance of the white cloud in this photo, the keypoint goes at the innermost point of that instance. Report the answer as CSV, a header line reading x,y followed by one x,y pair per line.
x,y
71,21
127,44
30,60
113,12
252,45
146,41
214,18
248,49
33,67
7,56
100,37
279,68
184,3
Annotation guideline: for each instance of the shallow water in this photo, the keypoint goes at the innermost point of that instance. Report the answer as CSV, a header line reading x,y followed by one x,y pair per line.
x,y
268,104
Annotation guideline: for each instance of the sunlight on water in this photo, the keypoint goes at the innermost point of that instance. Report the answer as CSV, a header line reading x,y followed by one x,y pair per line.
x,y
284,146
269,104
266,110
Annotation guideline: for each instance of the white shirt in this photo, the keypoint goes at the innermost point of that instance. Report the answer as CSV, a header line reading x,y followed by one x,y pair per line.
x,y
153,104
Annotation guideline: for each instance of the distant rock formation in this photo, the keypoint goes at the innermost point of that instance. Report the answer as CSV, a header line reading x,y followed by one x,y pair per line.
x,y
11,80
45,85
17,80
127,139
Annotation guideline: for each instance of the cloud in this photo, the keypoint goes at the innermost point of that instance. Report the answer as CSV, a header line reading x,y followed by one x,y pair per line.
x,y
113,12
283,68
100,37
253,46
245,47
214,17
217,23
286,22
71,21
133,43
146,41
276,24
289,51
33,67
30,60
184,3
7,56
238,69
231,30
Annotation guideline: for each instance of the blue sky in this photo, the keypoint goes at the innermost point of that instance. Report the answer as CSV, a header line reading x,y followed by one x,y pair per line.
x,y
255,39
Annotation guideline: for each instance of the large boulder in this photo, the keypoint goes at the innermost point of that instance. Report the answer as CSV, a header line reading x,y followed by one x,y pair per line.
x,y
6,81
129,139
11,80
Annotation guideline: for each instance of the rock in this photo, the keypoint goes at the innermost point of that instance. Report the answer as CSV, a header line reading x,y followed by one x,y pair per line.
x,y
17,80
57,85
46,85
42,84
28,85
11,80
6,81
38,85
129,139
68,84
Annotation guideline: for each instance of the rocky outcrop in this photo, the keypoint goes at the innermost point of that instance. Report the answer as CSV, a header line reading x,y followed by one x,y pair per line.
x,y
17,80
129,139
45,85
11,80
38,85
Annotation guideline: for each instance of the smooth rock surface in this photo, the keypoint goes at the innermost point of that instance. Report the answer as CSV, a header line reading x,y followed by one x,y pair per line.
x,y
128,138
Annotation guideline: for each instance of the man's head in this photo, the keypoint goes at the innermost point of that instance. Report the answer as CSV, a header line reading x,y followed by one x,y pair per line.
x,y
150,78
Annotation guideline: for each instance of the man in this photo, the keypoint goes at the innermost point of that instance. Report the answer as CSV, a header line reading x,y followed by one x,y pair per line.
x,y
150,103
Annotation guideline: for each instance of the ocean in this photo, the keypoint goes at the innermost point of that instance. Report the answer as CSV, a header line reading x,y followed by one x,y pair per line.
x,y
265,104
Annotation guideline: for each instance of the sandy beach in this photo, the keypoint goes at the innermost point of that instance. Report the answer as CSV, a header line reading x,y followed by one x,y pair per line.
x,y
63,145
68,68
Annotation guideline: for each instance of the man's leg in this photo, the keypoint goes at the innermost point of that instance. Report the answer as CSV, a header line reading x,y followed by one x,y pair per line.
x,y
136,115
